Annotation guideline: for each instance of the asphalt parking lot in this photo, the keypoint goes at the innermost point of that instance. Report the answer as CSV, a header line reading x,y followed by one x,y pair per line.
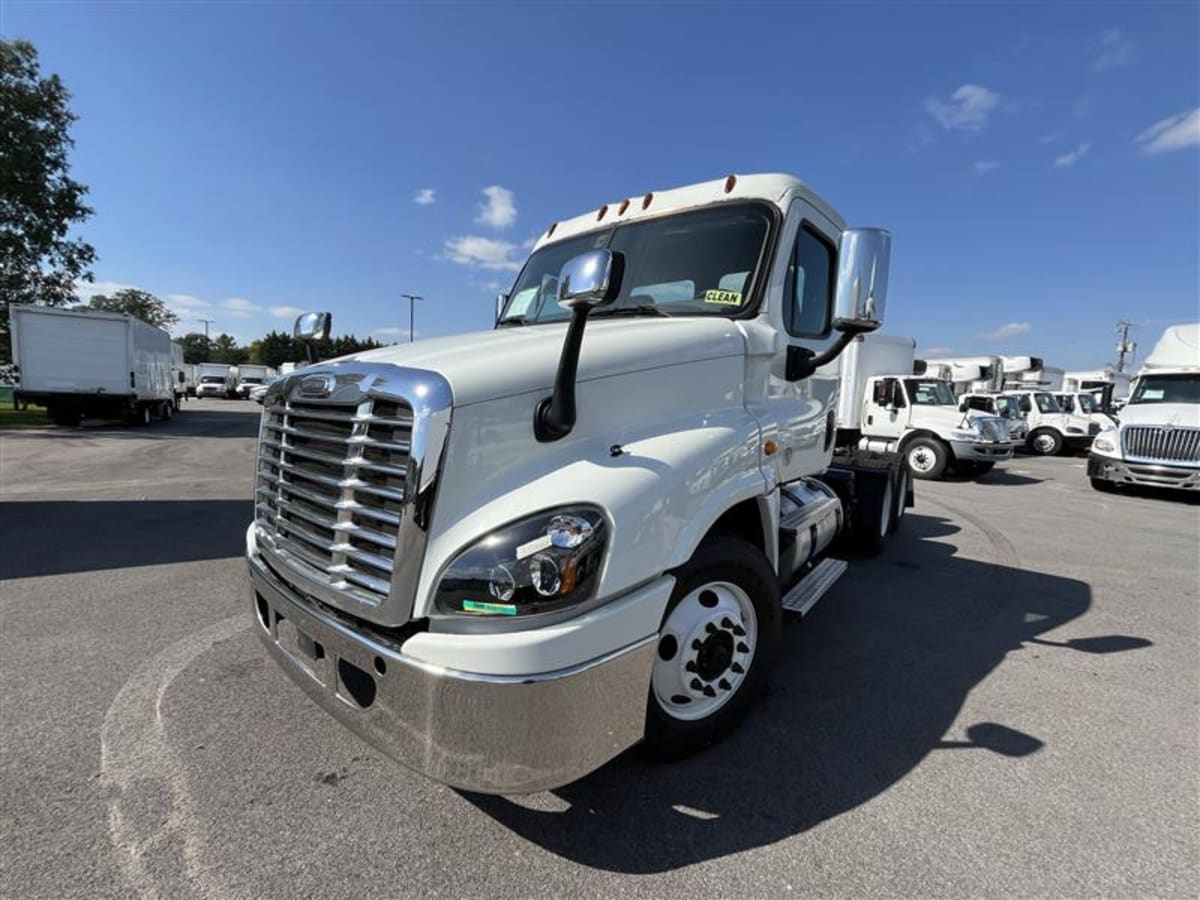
x,y
1006,703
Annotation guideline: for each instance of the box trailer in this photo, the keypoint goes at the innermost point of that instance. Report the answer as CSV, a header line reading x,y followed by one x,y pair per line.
x,y
83,363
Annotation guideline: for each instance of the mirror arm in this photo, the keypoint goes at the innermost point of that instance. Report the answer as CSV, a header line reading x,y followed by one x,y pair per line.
x,y
554,416
802,362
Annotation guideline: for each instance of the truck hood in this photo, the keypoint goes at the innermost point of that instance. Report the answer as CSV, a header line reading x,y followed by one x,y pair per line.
x,y
1178,414
944,419
488,365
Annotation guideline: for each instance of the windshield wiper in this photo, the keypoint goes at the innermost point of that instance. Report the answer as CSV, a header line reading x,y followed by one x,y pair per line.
x,y
642,309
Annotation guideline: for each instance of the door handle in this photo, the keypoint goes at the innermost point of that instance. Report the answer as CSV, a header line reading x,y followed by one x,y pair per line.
x,y
870,420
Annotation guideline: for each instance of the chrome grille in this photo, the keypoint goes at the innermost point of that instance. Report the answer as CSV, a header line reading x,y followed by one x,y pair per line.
x,y
331,486
1153,443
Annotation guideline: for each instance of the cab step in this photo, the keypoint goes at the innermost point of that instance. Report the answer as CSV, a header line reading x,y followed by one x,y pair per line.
x,y
812,587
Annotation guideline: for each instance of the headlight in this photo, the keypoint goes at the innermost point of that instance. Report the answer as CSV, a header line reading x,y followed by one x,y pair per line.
x,y
536,565
1106,441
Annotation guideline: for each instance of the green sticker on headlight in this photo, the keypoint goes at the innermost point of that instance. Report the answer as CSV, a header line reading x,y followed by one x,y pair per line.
x,y
495,609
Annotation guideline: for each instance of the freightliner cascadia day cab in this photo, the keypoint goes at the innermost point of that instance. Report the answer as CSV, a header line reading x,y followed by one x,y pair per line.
x,y
214,380
1158,440
87,364
503,558
883,406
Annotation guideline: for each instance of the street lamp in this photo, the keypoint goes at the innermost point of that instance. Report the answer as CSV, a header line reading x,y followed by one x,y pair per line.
x,y
411,298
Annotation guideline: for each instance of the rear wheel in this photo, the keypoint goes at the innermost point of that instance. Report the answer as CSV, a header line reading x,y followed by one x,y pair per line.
x,y
715,647
926,457
168,410
1046,441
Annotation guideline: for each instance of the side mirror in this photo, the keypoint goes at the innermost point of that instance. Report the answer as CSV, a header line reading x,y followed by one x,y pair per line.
x,y
590,279
501,301
313,326
862,280
963,407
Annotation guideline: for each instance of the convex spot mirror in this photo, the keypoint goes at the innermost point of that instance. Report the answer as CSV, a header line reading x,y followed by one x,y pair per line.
x,y
313,326
590,279
862,281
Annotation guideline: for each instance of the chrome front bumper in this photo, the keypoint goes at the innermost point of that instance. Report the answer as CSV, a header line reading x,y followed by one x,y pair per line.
x,y
1108,468
487,733
980,451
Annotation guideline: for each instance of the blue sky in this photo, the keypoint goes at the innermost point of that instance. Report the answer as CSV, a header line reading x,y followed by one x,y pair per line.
x,y
1038,164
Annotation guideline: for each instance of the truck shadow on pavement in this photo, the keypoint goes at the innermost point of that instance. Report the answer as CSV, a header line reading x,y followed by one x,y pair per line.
x,y
53,537
236,423
865,688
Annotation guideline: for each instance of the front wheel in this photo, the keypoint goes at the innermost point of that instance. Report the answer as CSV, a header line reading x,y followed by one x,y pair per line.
x,y
715,647
1046,441
926,458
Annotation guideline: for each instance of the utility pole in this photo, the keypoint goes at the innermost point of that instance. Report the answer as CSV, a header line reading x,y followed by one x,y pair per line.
x,y
207,345
411,298
1125,347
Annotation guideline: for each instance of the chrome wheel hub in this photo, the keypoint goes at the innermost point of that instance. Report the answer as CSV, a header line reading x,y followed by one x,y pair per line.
x,y
921,459
705,649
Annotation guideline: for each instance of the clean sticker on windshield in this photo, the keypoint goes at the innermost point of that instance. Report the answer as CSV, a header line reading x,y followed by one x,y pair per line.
x,y
723,298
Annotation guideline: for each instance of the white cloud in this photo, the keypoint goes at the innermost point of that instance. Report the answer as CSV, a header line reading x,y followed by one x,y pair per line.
x,y
1083,106
1071,157
1172,133
1012,329
1050,138
967,109
285,312
86,290
1111,50
499,209
187,301
486,253
239,307
983,166
425,197
390,331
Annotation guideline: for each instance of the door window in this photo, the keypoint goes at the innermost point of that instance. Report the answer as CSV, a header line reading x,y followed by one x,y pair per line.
x,y
808,293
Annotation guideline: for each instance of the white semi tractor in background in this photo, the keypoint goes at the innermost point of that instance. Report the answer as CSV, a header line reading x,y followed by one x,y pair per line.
x,y
88,364
215,380
504,557
1157,442
885,407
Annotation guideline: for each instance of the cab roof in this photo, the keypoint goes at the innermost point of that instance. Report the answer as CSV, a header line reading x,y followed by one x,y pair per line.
x,y
772,188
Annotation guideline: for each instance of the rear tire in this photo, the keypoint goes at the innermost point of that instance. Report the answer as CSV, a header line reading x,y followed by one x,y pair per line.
x,y
168,410
706,675
926,457
903,484
1046,442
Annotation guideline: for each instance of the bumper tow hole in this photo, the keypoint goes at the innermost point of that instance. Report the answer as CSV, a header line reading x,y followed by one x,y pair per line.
x,y
358,684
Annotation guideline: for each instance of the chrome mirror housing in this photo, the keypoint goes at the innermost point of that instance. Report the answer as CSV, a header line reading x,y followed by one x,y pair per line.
x,y
501,300
590,279
862,280
312,326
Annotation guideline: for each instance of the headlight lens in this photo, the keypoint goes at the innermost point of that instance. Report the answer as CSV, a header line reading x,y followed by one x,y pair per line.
x,y
536,565
1106,441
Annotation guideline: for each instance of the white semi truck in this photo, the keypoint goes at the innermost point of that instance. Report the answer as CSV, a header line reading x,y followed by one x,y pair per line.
x,y
250,376
87,364
977,382
1023,373
503,558
215,380
885,407
1108,387
1158,440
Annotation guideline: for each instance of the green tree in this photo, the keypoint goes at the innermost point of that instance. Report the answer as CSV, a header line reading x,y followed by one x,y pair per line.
x,y
275,348
140,304
225,349
195,347
39,261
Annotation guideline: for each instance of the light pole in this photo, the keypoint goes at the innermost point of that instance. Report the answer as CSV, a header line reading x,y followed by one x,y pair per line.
x,y
207,322
411,298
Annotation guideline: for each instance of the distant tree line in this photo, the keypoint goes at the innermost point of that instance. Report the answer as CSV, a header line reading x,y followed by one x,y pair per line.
x,y
271,349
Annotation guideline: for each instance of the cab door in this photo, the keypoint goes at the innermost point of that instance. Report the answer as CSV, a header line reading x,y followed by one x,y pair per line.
x,y
800,415
885,413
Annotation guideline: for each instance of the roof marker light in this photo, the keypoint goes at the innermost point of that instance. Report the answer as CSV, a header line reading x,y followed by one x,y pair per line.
x,y
550,230
624,206
600,214
646,201
730,182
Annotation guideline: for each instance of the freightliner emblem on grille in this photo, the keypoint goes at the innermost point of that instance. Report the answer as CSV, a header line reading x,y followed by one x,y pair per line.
x,y
316,386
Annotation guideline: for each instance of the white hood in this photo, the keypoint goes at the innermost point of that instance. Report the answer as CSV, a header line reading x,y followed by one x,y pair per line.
x,y
487,365
1177,414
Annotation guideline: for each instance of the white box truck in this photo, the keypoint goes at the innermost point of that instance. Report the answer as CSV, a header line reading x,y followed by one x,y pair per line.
x,y
215,380
885,407
88,364
1157,442
182,378
503,558
250,376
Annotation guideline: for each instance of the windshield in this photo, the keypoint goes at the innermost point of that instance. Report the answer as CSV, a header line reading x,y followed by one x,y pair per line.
x,y
1008,407
1087,403
1046,403
929,392
689,264
1183,387
252,381
212,379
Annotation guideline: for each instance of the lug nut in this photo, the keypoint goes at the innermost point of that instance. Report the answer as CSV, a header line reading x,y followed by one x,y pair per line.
x,y
708,691
736,668
690,666
742,648
724,685
710,627
726,624
739,631
696,685
696,645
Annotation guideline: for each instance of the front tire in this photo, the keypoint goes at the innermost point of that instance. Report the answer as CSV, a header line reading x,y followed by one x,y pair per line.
x,y
1046,442
716,645
926,458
